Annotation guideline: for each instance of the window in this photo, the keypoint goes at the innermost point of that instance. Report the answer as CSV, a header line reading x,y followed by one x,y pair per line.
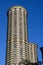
x,y
26,54
15,37
15,45
14,63
15,55
15,30
15,23
15,11
20,10
20,51
20,44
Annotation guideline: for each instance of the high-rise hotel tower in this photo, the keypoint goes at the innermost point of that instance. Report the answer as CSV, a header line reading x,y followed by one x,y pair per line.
x,y
17,38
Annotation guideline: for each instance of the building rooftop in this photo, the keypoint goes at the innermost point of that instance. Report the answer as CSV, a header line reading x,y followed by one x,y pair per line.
x,y
16,7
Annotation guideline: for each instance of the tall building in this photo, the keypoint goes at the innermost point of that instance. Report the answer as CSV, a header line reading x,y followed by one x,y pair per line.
x,y
17,37
32,53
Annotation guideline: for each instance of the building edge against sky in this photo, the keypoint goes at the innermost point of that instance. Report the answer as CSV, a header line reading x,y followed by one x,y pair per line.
x,y
17,38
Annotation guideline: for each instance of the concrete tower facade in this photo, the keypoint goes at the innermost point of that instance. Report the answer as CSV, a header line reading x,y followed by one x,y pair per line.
x,y
32,53
18,49
16,35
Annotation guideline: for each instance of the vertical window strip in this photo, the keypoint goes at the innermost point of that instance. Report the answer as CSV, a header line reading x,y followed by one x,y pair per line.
x,y
15,24
15,45
31,53
21,52
10,23
9,44
20,23
24,27
35,52
10,33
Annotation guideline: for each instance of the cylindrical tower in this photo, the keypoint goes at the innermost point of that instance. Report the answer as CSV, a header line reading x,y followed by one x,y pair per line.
x,y
32,53
16,35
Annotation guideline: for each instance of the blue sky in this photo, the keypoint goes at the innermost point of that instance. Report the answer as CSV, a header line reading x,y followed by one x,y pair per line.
x,y
35,23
